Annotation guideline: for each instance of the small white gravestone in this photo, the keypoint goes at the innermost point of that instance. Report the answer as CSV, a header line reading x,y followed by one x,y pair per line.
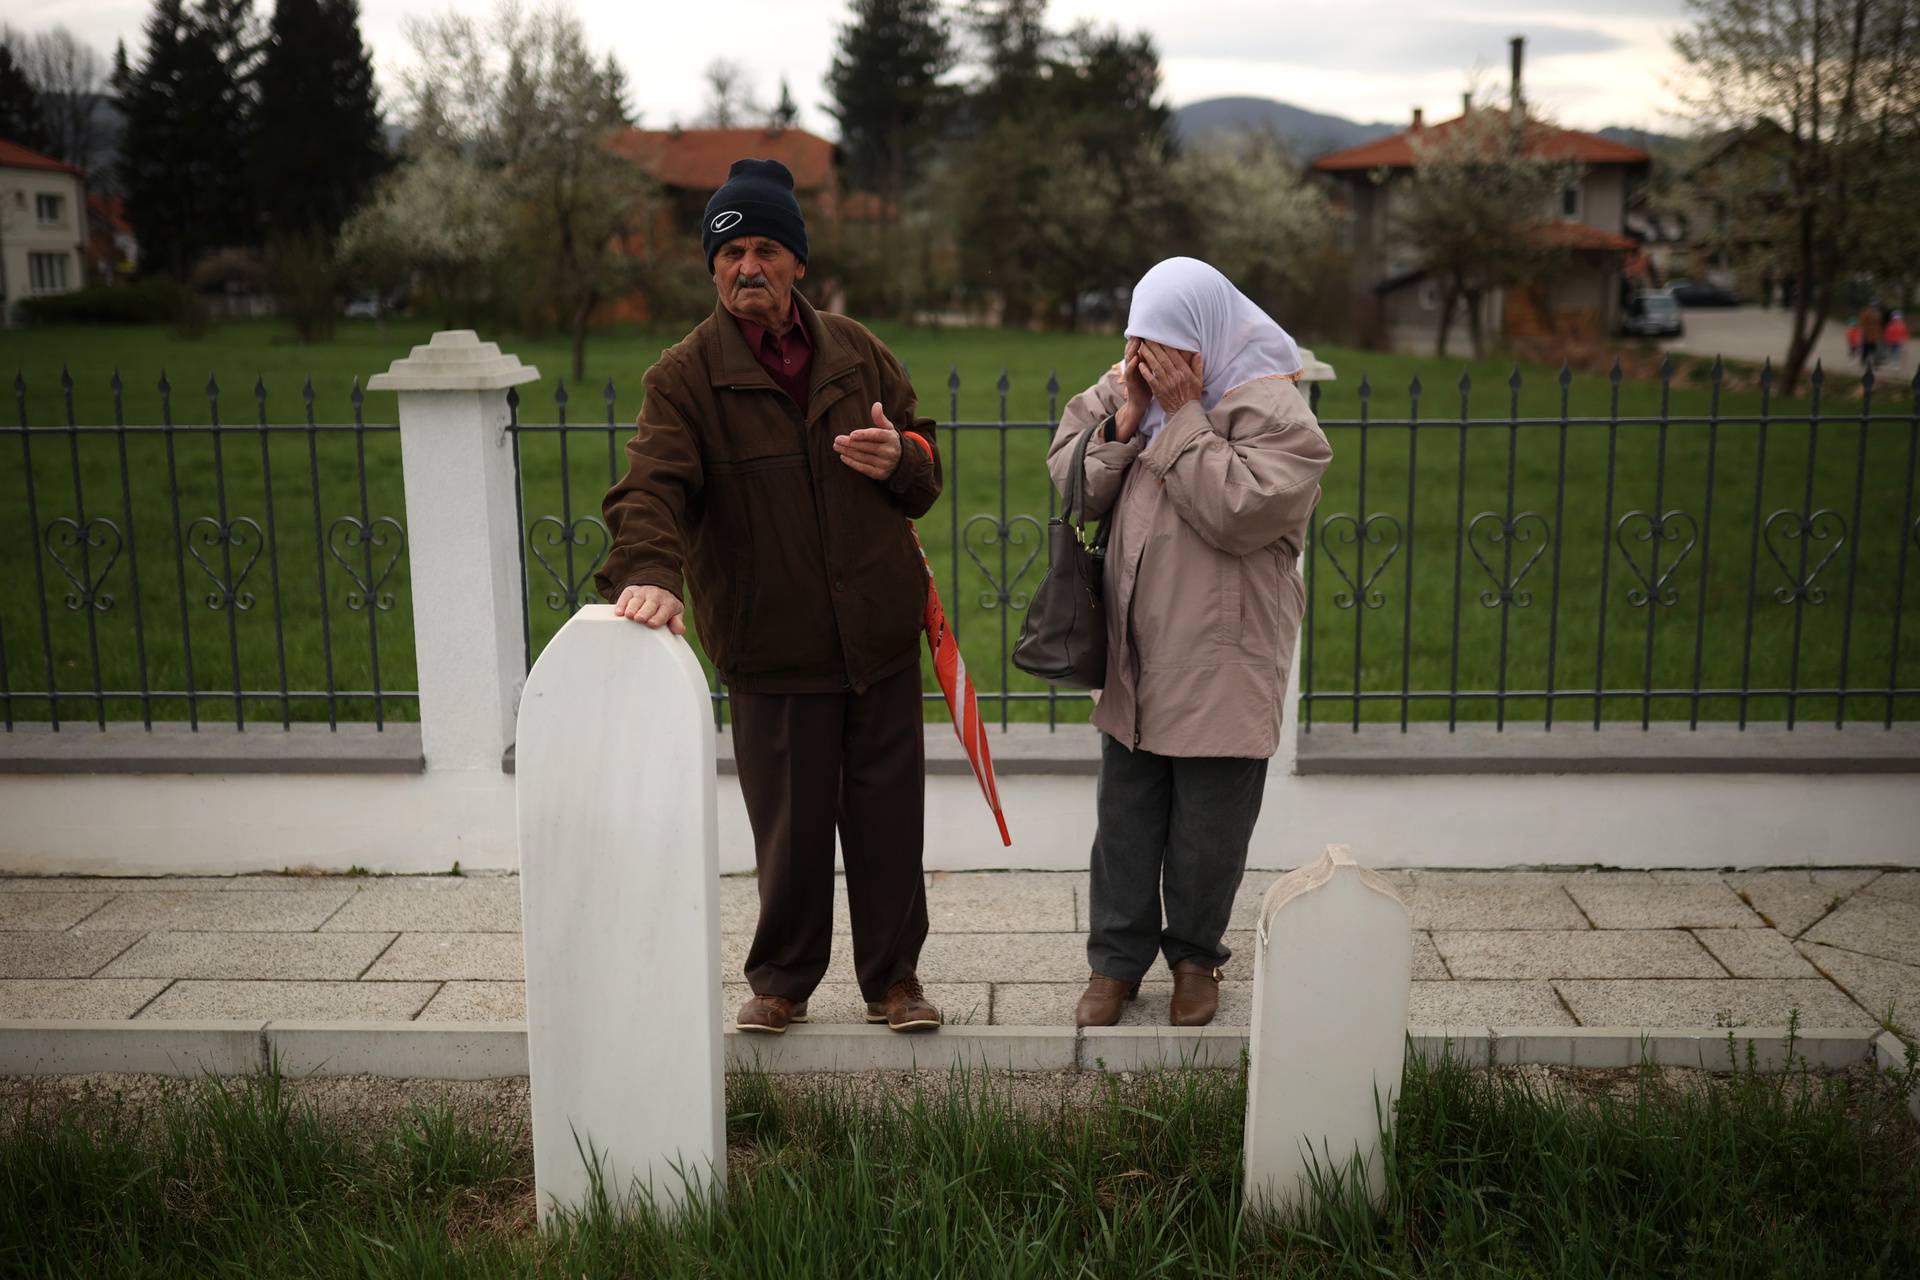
x,y
618,879
1333,968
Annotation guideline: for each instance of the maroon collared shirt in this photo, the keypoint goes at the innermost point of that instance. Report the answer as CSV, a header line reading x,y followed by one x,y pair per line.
x,y
787,358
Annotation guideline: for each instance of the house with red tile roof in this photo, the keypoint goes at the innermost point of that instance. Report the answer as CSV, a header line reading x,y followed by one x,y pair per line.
x,y
113,253
43,228
1398,306
691,164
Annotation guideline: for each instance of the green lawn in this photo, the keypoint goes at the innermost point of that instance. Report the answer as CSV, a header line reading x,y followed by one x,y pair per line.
x,y
1415,592
1516,1173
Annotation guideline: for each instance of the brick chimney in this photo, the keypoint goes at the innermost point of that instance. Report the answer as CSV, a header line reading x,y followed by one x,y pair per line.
x,y
1517,106
1419,119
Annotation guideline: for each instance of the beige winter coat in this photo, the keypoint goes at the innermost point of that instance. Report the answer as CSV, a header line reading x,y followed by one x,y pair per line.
x,y
1202,581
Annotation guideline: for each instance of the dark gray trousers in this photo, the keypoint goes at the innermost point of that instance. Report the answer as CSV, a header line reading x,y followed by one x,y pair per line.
x,y
1173,831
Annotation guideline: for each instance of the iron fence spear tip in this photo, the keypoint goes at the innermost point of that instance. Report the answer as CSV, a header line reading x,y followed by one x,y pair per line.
x,y
953,378
1566,374
66,379
114,384
1614,375
1513,379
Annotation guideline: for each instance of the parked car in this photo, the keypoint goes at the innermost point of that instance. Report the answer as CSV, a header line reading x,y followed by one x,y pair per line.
x,y
1691,293
368,306
1652,315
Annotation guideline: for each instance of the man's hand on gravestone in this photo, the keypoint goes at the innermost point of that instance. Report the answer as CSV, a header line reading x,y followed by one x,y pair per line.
x,y
654,606
872,451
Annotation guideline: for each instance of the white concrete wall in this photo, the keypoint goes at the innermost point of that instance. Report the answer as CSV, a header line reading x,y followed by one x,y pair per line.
x,y
181,824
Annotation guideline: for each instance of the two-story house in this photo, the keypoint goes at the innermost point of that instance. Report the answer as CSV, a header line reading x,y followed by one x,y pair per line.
x,y
1398,307
43,227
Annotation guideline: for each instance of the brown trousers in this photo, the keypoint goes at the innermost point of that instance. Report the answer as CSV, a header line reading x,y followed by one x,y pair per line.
x,y
811,763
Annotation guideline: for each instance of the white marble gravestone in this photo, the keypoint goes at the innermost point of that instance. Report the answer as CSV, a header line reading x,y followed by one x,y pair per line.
x,y
619,878
1333,969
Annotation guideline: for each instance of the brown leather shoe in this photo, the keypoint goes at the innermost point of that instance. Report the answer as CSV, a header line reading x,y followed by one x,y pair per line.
x,y
906,1008
1196,994
770,1014
1101,1002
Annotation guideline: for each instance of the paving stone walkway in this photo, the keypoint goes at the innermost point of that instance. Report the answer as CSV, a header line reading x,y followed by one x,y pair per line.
x,y
1533,948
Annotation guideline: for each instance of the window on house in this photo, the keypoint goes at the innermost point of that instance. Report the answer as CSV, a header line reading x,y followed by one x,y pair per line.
x,y
47,208
1570,201
48,272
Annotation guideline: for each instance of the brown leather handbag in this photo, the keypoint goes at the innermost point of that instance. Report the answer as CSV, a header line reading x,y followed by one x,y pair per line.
x,y
1064,637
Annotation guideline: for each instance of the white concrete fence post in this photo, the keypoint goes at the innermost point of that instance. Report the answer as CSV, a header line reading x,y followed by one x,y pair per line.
x,y
619,880
463,544
1332,974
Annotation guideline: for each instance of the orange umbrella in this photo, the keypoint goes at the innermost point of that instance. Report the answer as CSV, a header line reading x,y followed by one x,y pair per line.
x,y
951,669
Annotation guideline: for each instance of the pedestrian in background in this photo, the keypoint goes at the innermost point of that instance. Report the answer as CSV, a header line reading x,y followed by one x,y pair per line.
x,y
1872,327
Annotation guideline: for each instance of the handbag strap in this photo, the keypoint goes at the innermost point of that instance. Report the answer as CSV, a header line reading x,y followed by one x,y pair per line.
x,y
1077,492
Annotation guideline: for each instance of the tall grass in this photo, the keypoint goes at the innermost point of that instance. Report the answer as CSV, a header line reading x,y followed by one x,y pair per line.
x,y
1632,1174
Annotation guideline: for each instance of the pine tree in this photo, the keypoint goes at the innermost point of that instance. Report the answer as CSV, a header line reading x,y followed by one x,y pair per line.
x,y
183,154
886,88
161,203
618,96
317,135
20,117
786,111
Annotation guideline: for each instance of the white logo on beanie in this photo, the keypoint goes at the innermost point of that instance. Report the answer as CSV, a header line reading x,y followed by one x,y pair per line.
x,y
728,220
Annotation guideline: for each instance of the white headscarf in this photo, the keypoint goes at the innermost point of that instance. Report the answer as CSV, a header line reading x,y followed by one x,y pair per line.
x,y
1184,303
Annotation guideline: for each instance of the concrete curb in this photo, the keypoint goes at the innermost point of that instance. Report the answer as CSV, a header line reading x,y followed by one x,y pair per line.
x,y
486,1051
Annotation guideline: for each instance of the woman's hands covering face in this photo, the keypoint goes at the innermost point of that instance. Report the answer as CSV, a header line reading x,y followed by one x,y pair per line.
x,y
1175,377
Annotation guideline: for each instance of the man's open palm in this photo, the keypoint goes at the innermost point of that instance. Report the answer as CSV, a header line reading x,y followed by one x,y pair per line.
x,y
872,451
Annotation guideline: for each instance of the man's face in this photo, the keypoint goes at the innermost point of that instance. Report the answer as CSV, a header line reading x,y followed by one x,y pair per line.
x,y
754,276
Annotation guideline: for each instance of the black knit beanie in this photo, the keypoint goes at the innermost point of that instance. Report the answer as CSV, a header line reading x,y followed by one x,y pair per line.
x,y
756,200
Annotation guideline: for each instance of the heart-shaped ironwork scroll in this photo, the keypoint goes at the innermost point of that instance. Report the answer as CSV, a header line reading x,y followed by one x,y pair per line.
x,y
1350,533
97,534
349,533
1520,529
567,596
1673,526
1821,526
242,533
1012,534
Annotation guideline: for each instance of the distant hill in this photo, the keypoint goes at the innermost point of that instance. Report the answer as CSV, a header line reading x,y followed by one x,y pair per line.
x,y
1313,133
1309,133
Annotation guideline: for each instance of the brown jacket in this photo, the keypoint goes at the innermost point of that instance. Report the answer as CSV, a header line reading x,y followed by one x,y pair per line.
x,y
804,573
1203,591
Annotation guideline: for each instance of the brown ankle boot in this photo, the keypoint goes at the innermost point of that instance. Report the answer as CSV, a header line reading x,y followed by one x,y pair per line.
x,y
1196,994
1101,1002
770,1014
906,1008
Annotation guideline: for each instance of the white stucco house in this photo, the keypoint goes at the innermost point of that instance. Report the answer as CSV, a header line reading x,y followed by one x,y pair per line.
x,y
43,227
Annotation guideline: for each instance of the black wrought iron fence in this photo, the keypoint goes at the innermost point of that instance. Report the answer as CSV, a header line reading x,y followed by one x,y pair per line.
x,y
1713,558
1600,566
202,569
1778,553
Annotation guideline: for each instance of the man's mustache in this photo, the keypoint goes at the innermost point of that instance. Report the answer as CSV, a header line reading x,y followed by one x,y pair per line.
x,y
751,282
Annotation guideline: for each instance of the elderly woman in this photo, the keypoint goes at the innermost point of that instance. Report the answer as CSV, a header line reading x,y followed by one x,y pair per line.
x,y
1209,461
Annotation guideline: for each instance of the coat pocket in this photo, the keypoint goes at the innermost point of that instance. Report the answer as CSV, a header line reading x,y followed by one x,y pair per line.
x,y
1229,581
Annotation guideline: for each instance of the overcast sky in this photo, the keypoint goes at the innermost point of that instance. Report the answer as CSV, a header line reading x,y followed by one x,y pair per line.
x,y
1365,59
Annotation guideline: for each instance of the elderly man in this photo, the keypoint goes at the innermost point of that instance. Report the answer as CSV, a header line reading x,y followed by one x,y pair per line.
x,y
768,472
